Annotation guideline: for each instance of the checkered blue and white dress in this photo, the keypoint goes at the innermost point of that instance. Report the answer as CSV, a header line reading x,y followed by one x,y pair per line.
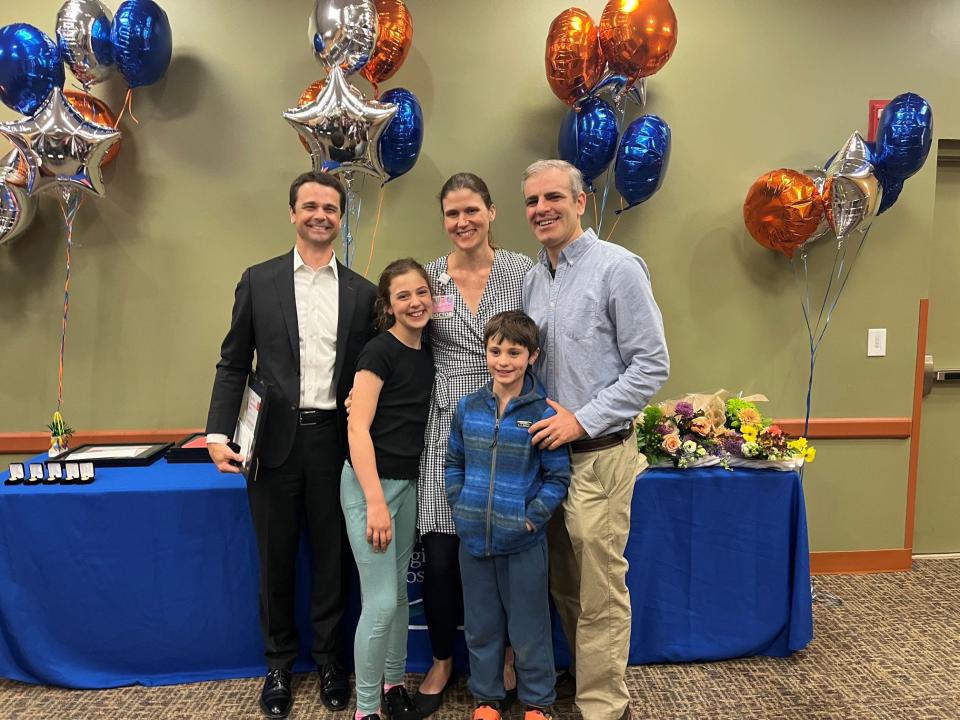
x,y
460,358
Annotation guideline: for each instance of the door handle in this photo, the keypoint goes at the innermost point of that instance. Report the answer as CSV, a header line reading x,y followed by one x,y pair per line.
x,y
932,376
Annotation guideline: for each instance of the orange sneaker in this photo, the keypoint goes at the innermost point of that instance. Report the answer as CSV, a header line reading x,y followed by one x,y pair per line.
x,y
535,713
486,712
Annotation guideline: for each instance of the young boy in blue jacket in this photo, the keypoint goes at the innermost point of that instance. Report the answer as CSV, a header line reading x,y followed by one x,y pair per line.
x,y
502,490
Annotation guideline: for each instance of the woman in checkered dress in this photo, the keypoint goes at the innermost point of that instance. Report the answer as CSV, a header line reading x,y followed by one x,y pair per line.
x,y
472,284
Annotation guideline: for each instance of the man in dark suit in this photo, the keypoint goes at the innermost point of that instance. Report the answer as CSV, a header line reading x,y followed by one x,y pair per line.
x,y
306,317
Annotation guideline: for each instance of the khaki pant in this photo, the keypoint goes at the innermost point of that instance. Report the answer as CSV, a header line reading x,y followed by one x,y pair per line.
x,y
588,571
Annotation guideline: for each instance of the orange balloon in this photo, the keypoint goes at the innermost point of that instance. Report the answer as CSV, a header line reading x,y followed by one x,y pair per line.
x,y
638,36
573,58
782,210
307,97
16,176
96,111
394,37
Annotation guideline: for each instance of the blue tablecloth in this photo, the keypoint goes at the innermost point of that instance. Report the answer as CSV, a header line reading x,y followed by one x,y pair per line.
x,y
149,575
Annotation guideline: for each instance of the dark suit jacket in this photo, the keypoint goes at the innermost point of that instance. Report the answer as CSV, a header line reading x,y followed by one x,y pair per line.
x,y
264,322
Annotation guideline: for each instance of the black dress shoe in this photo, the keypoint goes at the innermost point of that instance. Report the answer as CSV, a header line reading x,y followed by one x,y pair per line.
x,y
277,694
398,704
429,703
334,686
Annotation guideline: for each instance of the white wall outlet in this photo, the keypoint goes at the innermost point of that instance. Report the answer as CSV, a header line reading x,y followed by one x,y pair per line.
x,y
876,342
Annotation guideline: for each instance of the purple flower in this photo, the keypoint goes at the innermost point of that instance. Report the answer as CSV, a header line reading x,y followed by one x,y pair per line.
x,y
663,429
732,443
684,410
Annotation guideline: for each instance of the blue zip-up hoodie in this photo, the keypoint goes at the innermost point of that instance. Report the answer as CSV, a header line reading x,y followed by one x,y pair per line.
x,y
496,479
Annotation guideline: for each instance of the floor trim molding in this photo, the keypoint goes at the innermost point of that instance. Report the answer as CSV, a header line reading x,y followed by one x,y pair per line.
x,y
859,562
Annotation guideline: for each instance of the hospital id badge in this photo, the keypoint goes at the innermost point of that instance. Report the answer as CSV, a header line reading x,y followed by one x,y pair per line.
x,y
442,306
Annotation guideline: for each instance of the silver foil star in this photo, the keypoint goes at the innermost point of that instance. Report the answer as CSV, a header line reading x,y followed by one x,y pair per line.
x,y
61,148
343,127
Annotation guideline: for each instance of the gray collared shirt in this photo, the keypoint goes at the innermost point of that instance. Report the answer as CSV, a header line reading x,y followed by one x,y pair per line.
x,y
604,352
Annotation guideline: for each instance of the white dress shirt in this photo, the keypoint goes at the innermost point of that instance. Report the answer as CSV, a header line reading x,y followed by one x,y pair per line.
x,y
318,300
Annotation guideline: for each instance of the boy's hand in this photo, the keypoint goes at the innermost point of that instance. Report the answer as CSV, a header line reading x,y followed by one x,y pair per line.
x,y
379,527
552,432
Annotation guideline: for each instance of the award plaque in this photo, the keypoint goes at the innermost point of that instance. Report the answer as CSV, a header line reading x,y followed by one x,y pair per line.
x,y
253,409
54,473
86,473
72,470
16,474
36,474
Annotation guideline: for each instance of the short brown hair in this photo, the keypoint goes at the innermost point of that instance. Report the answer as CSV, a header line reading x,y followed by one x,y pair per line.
x,y
320,178
513,326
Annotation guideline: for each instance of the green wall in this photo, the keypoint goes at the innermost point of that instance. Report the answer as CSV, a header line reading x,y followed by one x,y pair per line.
x,y
199,192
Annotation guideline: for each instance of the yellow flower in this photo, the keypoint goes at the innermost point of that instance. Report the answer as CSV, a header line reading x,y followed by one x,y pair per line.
x,y
800,445
749,432
748,416
810,454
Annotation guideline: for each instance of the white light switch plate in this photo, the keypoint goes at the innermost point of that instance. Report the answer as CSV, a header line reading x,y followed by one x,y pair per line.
x,y
876,342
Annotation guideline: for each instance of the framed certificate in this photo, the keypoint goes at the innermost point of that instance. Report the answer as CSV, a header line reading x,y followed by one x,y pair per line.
x,y
247,436
116,455
191,449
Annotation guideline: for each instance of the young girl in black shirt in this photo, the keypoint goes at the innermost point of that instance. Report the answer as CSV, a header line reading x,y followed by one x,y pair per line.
x,y
378,488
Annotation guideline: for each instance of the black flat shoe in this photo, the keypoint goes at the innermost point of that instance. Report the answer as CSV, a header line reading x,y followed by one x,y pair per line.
x,y
398,704
334,686
429,703
276,698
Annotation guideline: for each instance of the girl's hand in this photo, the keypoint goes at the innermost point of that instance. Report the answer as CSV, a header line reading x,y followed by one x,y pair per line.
x,y
379,528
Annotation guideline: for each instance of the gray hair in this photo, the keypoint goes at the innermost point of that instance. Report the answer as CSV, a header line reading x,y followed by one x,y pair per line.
x,y
576,177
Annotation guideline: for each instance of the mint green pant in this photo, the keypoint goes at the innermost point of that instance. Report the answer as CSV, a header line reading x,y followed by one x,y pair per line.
x,y
380,645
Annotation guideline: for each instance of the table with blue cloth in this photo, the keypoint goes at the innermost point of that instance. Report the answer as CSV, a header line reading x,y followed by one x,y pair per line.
x,y
148,575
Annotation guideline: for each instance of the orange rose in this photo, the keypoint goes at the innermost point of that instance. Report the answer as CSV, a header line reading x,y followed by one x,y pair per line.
x,y
701,426
671,443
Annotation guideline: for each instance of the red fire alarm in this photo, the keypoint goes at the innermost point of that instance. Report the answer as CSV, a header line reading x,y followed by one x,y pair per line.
x,y
876,109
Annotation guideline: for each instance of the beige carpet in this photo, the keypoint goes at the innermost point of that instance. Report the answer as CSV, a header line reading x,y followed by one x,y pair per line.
x,y
891,651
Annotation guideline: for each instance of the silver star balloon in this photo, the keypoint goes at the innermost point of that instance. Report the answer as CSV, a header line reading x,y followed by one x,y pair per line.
x,y
63,150
851,191
17,208
343,127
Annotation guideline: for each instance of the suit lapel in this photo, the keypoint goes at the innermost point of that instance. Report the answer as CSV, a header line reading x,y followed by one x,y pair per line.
x,y
345,307
288,303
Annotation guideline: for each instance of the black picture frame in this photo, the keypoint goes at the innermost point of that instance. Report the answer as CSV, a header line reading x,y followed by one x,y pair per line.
x,y
180,454
100,456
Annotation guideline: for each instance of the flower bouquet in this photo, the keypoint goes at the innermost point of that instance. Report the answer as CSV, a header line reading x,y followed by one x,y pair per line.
x,y
700,430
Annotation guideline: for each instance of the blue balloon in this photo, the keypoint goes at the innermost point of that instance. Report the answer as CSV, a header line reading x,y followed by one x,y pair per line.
x,y
142,42
588,138
30,67
904,136
400,143
642,159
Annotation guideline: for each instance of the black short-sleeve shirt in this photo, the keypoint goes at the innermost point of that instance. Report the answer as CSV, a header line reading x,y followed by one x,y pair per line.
x,y
401,415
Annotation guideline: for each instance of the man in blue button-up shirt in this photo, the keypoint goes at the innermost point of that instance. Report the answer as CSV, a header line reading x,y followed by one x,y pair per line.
x,y
604,357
